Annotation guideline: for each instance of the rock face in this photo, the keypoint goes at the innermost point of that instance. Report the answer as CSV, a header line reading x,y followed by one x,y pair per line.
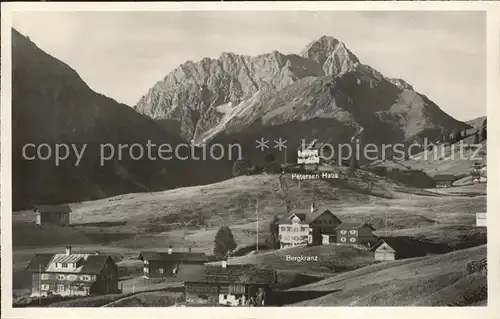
x,y
236,93
51,104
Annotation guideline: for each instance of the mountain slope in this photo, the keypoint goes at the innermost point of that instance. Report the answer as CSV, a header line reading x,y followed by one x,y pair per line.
x,y
427,281
52,104
326,81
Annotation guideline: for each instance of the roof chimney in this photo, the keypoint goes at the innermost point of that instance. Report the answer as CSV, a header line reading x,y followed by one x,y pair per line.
x,y
68,250
224,264
97,252
169,250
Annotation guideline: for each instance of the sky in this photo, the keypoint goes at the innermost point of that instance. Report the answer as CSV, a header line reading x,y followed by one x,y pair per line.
x,y
123,54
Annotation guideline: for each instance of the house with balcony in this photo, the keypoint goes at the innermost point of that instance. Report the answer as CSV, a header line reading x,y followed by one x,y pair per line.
x,y
308,227
72,274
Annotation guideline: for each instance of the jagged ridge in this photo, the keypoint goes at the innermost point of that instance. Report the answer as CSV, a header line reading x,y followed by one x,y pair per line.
x,y
234,91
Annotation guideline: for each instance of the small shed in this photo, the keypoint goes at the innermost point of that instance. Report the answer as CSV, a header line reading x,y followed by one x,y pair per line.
x,y
392,248
444,181
49,214
481,220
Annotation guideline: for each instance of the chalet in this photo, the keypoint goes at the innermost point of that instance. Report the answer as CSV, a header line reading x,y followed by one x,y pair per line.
x,y
481,220
228,284
70,274
302,227
444,181
57,215
355,234
392,248
167,264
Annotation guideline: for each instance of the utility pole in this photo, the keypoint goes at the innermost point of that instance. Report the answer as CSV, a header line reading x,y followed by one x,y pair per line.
x,y
257,224
386,231
40,284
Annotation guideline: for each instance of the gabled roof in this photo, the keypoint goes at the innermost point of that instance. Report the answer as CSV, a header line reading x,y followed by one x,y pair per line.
x,y
52,209
305,215
92,264
39,262
232,274
445,177
401,244
353,226
176,256
193,273
300,213
318,212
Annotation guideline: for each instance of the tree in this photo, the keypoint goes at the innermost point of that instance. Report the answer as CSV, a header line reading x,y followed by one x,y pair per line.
x,y
269,157
241,167
270,165
224,241
483,132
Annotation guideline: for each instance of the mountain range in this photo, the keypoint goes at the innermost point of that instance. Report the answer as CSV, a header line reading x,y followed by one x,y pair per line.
x,y
325,82
324,92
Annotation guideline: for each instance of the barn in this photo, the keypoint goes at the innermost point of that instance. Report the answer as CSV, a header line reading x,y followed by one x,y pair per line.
x,y
229,284
392,248
167,264
49,214
444,181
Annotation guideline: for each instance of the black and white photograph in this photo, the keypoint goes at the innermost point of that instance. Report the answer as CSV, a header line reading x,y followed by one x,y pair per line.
x,y
247,158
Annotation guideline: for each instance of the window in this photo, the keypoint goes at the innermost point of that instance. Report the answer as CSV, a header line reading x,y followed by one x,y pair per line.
x,y
161,270
44,276
60,288
343,239
61,277
146,262
352,239
343,232
87,290
146,270
64,265
45,287
85,278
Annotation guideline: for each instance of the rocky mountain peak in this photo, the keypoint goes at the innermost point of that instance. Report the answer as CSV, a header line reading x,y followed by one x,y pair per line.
x,y
331,54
